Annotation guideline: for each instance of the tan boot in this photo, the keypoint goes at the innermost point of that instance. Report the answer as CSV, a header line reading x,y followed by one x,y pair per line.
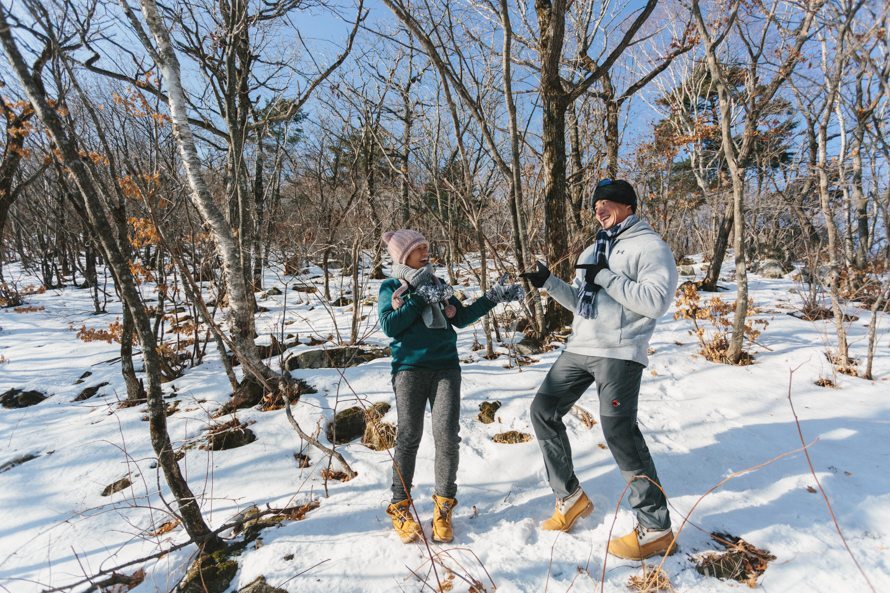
x,y
403,521
568,511
442,529
642,543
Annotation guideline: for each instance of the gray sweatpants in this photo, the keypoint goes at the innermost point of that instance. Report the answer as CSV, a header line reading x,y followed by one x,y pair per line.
x,y
413,389
618,386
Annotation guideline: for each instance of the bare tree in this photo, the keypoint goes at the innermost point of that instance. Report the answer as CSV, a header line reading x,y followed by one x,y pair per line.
x,y
755,99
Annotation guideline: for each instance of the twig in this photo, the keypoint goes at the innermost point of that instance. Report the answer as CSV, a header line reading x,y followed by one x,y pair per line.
x,y
686,516
310,439
821,490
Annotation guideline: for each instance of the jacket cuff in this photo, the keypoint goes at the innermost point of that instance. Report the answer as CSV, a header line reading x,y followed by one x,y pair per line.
x,y
548,283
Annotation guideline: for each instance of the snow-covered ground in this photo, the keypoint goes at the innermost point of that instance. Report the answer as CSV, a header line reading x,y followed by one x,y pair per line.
x,y
703,422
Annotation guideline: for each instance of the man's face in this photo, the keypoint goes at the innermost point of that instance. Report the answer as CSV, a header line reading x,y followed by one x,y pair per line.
x,y
610,213
419,257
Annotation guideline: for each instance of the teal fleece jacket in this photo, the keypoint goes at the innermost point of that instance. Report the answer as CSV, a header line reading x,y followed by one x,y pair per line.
x,y
414,345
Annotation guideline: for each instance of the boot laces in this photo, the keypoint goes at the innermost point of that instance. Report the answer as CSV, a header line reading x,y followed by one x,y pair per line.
x,y
443,509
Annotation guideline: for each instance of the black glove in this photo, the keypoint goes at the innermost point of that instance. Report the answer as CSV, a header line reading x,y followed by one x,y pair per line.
x,y
538,277
591,270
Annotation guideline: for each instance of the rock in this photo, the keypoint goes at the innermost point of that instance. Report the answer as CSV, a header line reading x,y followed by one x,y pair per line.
x,y
686,270
248,394
347,425
302,460
275,348
210,573
5,467
771,268
274,291
487,411
230,435
89,392
121,484
83,377
259,585
529,345
305,288
341,302
336,357
17,398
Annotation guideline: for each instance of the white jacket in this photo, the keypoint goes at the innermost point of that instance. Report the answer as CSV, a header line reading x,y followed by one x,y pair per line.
x,y
637,290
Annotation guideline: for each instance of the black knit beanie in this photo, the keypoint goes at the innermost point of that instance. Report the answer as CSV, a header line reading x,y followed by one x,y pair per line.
x,y
615,190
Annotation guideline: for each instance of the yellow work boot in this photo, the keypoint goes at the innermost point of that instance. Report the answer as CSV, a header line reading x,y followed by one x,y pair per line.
x,y
442,530
403,521
642,543
568,511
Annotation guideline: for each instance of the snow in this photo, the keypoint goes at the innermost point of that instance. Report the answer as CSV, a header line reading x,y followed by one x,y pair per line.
x,y
704,423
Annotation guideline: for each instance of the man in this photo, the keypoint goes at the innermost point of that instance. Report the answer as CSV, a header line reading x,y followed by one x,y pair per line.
x,y
624,282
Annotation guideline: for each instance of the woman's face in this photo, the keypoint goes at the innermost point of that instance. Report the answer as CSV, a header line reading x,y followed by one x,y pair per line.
x,y
419,257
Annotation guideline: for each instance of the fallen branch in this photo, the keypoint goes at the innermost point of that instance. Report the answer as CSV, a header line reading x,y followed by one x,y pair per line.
x,y
284,387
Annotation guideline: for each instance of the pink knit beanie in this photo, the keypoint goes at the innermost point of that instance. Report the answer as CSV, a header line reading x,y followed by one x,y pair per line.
x,y
402,242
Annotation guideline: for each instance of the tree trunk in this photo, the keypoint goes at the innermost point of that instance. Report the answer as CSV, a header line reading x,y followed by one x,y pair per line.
x,y
241,302
721,242
517,218
555,236
611,133
189,510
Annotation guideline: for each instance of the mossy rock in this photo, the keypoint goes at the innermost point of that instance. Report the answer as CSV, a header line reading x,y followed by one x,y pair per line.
x,y
337,357
347,425
512,437
487,411
248,394
529,345
228,436
351,423
210,573
18,398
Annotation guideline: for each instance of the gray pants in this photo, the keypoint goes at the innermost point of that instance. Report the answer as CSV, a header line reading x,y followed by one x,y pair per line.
x,y
618,386
413,390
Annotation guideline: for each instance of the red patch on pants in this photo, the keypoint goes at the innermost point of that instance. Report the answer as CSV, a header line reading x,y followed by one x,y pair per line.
x,y
615,403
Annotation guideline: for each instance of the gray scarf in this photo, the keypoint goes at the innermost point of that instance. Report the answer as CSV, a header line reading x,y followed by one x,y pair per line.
x,y
432,314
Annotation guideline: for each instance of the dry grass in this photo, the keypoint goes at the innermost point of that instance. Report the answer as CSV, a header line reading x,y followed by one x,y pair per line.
x,y
166,527
652,580
740,561
511,437
335,475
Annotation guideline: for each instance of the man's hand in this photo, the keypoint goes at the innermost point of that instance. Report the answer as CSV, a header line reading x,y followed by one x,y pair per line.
x,y
592,271
538,277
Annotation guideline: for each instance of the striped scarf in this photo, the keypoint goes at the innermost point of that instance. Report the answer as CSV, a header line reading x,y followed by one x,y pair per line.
x,y
605,238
